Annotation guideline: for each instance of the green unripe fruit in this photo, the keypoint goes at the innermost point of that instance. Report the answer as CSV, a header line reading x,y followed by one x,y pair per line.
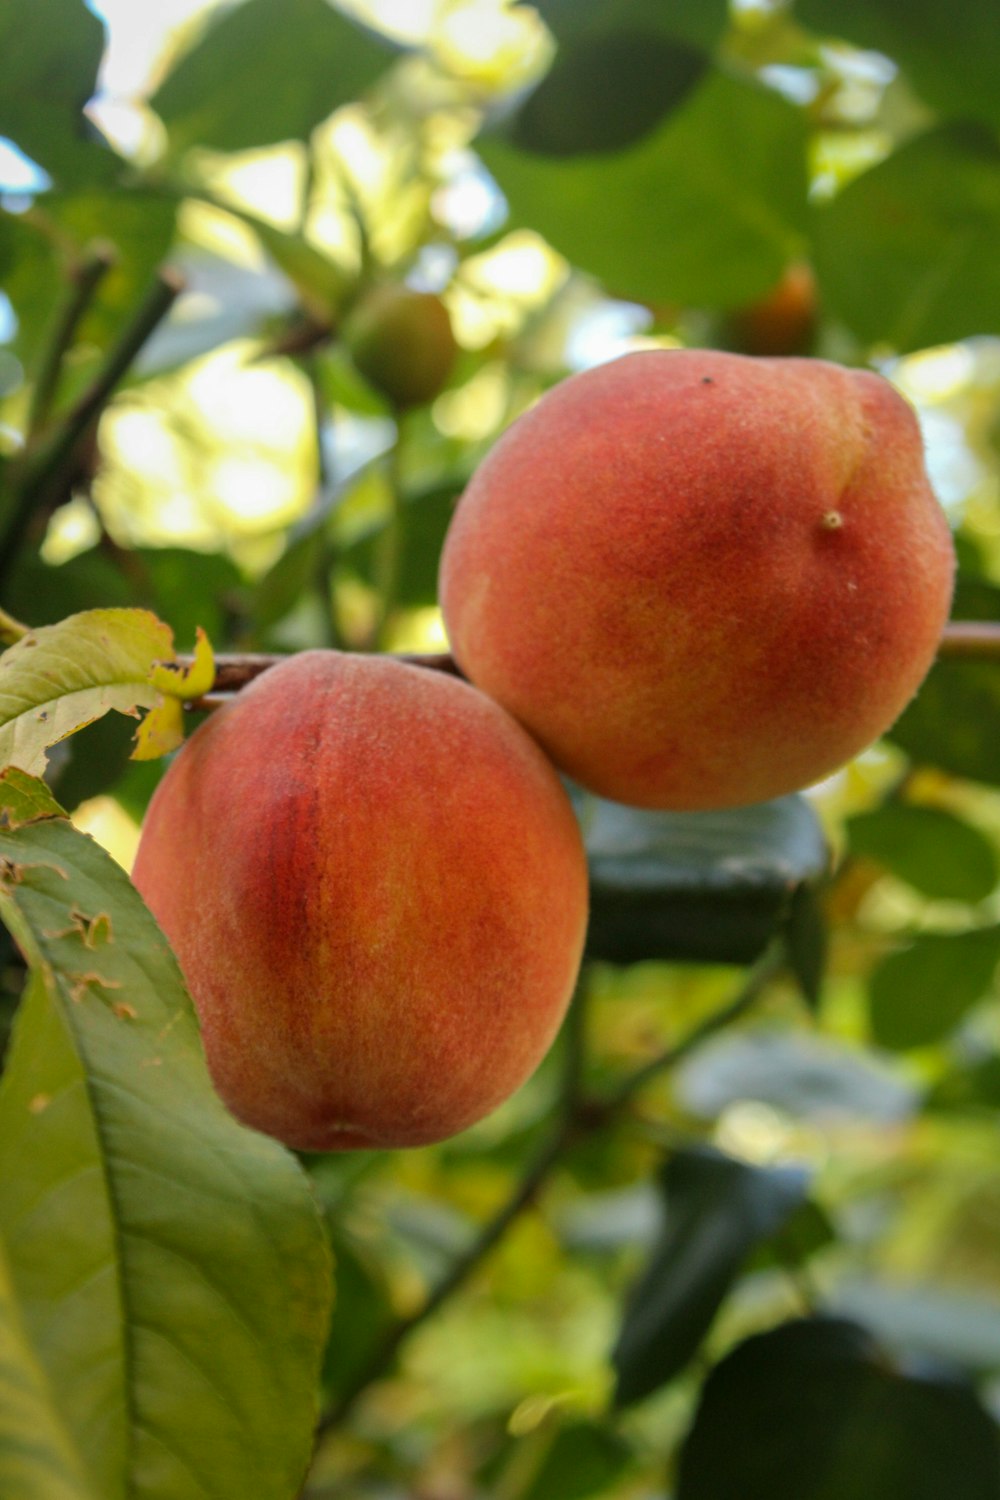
x,y
402,343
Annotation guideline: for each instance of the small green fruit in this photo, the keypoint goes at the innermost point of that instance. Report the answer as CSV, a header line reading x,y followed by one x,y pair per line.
x,y
402,343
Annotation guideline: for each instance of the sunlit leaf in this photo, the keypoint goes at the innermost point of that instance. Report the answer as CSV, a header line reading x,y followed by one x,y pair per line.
x,y
906,253
167,1265
920,994
708,209
933,850
949,51
266,71
60,677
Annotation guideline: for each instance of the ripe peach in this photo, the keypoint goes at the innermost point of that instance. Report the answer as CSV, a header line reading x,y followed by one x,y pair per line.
x,y
402,342
701,579
377,891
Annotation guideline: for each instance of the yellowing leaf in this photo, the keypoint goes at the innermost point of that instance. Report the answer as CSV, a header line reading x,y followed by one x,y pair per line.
x,y
58,678
187,683
161,731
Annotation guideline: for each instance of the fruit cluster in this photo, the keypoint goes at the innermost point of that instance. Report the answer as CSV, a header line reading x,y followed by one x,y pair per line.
x,y
687,580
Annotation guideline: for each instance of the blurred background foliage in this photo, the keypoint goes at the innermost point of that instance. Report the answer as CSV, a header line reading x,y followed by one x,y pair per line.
x,y
779,1091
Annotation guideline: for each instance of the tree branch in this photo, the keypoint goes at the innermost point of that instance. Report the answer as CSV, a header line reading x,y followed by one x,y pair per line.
x,y
962,640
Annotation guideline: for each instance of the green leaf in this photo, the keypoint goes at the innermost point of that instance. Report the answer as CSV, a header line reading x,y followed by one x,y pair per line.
x,y
806,942
37,1458
949,51
706,210
25,800
718,1211
919,995
63,676
604,92
50,51
814,1410
582,1459
700,23
932,850
906,253
168,1268
711,886
267,71
954,721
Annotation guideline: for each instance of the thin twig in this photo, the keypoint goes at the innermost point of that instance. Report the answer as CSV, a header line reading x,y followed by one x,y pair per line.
x,y
40,469
970,640
85,278
767,967
962,640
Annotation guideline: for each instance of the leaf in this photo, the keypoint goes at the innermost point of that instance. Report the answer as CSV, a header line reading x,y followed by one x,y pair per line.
x,y
806,941
25,800
706,210
168,1267
50,51
932,850
605,91
906,252
37,1458
920,994
700,23
954,721
582,1459
267,71
949,51
812,1409
711,886
718,1211
162,730
63,676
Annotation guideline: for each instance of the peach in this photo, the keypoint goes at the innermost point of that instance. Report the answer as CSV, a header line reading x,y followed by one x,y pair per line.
x,y
376,889
701,579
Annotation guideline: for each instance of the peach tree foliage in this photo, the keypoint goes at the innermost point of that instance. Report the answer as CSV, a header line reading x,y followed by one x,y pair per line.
x,y
752,1191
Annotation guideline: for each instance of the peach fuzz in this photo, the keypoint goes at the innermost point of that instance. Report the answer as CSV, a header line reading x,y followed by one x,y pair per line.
x,y
377,891
701,579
